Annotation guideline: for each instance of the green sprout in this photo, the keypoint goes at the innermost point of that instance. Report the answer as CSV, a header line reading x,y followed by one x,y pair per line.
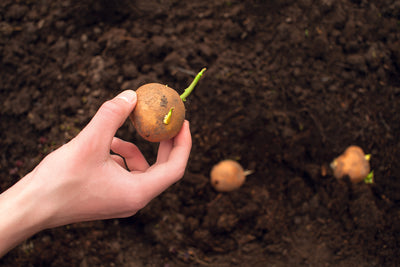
x,y
189,90
184,95
370,177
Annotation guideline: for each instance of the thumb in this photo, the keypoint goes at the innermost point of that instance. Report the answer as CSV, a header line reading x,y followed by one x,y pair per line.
x,y
110,116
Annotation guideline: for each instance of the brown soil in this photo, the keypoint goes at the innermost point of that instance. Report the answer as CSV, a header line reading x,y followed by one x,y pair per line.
x,y
290,84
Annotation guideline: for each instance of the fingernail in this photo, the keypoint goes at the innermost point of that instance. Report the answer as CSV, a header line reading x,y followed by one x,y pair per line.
x,y
128,95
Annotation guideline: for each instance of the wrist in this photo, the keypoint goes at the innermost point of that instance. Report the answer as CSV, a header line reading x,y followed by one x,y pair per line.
x,y
21,213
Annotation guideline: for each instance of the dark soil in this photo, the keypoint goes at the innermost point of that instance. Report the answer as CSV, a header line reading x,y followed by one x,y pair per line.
x,y
290,84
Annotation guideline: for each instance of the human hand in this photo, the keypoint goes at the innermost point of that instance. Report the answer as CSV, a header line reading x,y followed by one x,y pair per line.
x,y
83,181
86,182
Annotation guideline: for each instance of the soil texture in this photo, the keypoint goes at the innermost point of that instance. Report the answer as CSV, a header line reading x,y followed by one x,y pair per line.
x,y
289,86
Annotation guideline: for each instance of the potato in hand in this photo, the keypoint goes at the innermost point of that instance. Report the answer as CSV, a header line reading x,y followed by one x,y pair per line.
x,y
160,112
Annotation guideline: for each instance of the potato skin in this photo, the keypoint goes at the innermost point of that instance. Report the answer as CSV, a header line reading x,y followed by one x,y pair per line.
x,y
227,175
351,163
154,101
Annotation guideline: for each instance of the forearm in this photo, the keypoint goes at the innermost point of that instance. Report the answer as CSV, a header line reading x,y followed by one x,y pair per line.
x,y
20,214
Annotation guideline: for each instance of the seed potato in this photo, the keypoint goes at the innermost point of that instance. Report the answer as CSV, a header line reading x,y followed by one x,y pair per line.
x,y
154,102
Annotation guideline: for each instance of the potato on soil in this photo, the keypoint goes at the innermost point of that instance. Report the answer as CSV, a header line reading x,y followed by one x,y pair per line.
x,y
227,175
154,102
351,163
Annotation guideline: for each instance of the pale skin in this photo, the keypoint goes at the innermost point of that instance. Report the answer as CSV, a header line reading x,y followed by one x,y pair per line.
x,y
83,181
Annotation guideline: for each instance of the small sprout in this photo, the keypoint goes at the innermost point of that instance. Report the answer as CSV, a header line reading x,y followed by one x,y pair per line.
x,y
167,118
370,178
352,163
228,175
